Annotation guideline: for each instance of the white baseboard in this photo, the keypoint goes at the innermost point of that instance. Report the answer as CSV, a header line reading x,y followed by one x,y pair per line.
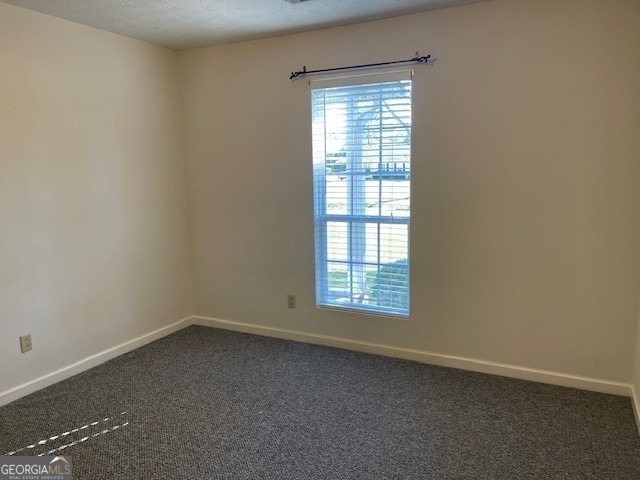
x,y
494,368
89,362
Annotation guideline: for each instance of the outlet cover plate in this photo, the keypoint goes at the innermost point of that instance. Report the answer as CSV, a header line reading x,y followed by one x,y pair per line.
x,y
25,343
291,301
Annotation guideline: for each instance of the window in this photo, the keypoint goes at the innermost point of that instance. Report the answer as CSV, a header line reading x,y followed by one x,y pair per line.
x,y
362,176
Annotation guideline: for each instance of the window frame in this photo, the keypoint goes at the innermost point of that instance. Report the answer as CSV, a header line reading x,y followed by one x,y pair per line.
x,y
323,219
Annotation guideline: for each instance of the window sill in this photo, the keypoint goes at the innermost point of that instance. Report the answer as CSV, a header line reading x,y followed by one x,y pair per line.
x,y
368,313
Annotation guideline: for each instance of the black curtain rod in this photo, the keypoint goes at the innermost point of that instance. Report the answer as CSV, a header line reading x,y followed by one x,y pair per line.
x,y
304,71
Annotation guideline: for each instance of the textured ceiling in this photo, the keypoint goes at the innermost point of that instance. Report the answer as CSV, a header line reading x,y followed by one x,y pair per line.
x,y
182,24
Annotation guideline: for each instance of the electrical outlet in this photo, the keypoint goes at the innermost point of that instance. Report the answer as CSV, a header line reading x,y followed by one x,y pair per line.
x,y
25,343
291,301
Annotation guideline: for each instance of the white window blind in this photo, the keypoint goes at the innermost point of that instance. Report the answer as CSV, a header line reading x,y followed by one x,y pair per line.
x,y
362,177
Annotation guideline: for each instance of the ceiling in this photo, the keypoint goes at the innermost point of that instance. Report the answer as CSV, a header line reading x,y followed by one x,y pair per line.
x,y
180,24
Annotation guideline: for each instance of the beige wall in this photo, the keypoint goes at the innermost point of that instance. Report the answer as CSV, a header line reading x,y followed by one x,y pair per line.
x,y
93,242
525,228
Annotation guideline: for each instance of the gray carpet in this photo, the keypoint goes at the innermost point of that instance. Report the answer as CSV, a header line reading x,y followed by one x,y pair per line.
x,y
211,404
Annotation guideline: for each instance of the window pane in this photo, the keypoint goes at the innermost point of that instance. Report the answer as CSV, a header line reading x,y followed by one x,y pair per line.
x,y
394,243
337,241
338,279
